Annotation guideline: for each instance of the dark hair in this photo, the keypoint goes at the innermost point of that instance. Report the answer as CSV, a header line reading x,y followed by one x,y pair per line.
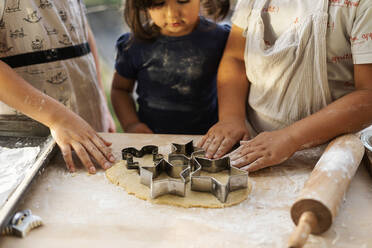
x,y
136,16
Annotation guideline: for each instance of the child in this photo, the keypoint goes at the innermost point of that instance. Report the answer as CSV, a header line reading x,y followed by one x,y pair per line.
x,y
173,54
47,44
308,67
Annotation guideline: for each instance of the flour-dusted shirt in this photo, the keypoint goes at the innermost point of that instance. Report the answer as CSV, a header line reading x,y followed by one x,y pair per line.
x,y
28,26
349,35
176,77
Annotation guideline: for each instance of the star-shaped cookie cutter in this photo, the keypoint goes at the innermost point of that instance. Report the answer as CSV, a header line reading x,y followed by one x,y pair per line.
x,y
238,179
185,149
188,150
178,170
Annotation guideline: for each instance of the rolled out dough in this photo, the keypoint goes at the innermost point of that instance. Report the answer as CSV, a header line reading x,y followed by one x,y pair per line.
x,y
119,175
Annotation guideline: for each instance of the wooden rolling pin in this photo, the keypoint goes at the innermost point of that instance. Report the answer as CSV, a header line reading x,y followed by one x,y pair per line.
x,y
321,196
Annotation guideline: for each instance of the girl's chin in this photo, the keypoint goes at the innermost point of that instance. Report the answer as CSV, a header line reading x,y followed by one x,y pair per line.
x,y
176,31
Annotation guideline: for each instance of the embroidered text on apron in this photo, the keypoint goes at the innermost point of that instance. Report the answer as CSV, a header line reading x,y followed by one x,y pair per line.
x,y
39,25
288,80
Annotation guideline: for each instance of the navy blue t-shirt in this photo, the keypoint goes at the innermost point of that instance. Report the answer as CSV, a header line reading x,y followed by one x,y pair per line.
x,y
176,77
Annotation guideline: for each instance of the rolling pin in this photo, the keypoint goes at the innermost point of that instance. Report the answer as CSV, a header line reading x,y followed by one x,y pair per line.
x,y
319,200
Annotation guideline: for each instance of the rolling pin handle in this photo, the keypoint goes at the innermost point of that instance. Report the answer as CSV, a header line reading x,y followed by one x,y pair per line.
x,y
307,222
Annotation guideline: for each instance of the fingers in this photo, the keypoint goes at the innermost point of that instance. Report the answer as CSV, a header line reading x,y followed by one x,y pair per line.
x,y
98,139
84,157
256,165
94,146
245,157
224,147
240,151
102,146
93,150
67,156
214,144
202,141
207,147
247,153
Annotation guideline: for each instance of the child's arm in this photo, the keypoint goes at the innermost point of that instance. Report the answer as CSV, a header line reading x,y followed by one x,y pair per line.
x,y
124,106
68,129
348,114
232,86
93,47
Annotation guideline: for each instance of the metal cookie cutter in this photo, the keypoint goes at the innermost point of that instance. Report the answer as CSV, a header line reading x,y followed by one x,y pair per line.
x,y
189,150
21,223
130,152
185,149
178,169
238,179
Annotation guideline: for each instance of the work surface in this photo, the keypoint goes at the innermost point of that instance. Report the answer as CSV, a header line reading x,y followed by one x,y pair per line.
x,y
81,210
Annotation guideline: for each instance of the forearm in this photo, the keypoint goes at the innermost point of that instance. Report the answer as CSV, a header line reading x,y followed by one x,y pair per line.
x,y
19,94
124,107
348,114
232,89
232,81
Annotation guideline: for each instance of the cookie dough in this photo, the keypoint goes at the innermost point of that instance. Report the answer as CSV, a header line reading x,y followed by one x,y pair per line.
x,y
130,180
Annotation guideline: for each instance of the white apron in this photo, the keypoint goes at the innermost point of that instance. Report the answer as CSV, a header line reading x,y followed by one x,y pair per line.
x,y
288,80
38,25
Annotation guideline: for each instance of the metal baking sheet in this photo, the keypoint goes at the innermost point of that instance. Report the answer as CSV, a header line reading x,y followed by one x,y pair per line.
x,y
47,149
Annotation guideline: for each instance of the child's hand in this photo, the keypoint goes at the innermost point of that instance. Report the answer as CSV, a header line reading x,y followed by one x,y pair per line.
x,y
110,123
223,136
72,132
266,149
138,127
112,127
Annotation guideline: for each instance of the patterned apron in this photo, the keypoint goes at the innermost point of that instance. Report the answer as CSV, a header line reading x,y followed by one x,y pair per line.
x,y
288,79
38,25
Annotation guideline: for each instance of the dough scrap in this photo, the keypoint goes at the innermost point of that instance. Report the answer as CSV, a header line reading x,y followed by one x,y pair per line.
x,y
119,175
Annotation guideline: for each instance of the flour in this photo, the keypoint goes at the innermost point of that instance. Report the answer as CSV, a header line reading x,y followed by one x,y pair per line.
x,y
337,159
13,165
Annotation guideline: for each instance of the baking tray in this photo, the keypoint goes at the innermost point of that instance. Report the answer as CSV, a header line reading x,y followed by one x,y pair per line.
x,y
47,150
